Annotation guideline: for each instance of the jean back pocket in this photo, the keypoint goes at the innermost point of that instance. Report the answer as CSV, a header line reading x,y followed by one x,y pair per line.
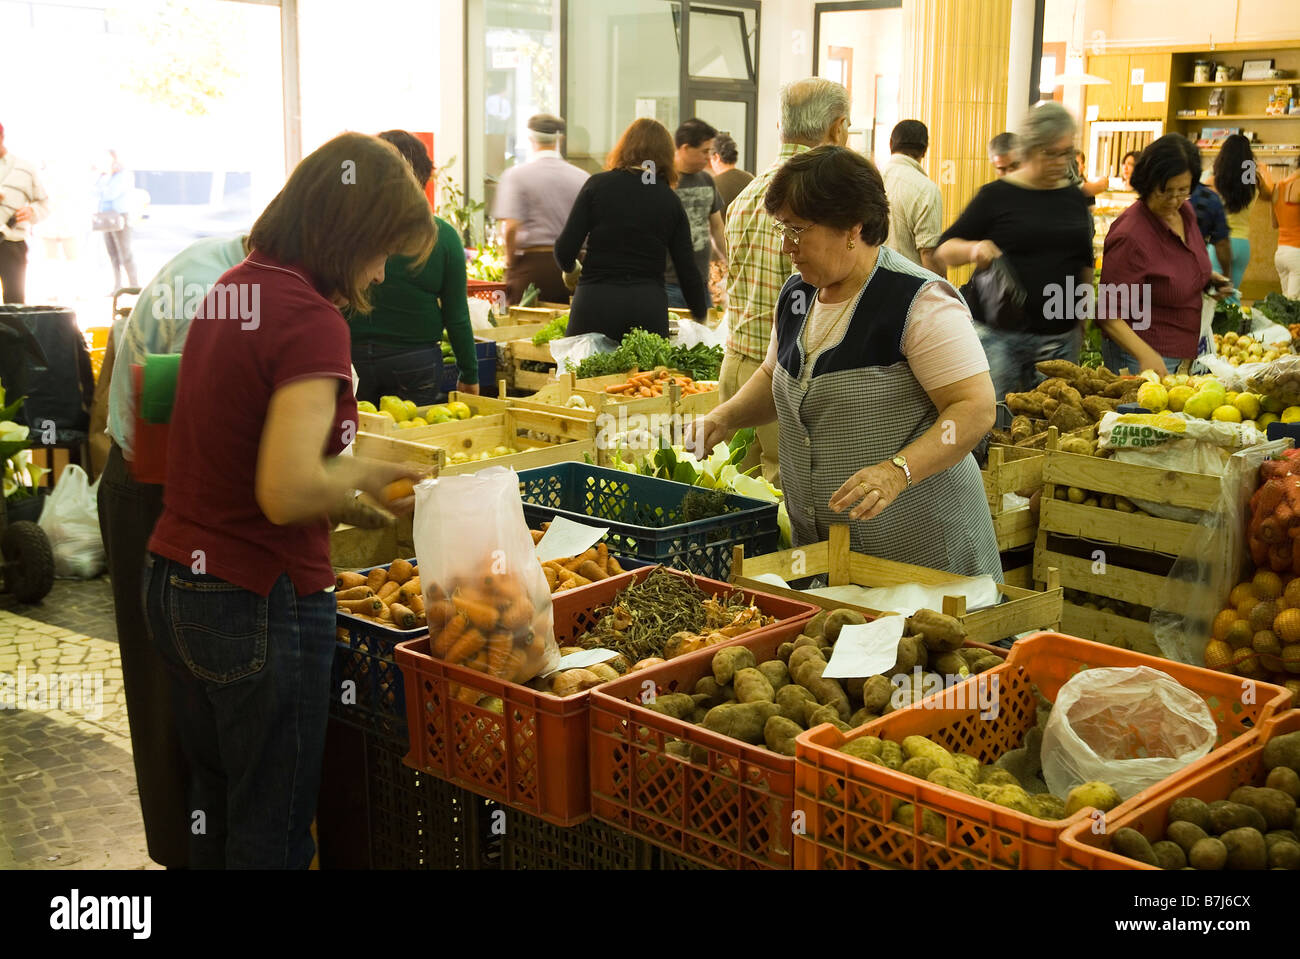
x,y
219,628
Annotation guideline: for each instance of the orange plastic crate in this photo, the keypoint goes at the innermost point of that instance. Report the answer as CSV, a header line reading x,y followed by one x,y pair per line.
x,y
848,803
533,755
731,810
1241,763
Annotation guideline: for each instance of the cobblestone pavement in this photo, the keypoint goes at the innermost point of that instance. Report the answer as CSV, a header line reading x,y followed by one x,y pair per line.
x,y
67,782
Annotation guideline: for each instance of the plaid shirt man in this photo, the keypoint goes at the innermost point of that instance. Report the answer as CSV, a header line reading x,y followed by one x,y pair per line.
x,y
758,269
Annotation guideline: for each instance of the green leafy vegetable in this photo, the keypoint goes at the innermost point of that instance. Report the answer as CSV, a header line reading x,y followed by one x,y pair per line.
x,y
552,331
1228,318
645,351
1279,309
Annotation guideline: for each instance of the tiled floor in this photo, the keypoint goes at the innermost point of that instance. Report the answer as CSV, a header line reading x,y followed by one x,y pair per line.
x,y
67,782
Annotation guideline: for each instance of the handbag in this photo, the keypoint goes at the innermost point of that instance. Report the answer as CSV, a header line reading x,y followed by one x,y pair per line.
x,y
996,297
108,222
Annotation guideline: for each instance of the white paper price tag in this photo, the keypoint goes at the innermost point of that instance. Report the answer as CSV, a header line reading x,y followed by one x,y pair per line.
x,y
565,538
867,650
588,657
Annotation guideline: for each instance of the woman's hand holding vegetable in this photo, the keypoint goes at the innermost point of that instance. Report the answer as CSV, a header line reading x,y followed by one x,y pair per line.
x,y
869,491
705,433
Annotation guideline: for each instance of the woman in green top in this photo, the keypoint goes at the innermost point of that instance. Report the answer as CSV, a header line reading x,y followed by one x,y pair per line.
x,y
396,346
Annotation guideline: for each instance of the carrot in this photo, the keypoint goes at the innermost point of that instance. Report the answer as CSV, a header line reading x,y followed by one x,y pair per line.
x,y
573,564
480,615
371,605
602,557
537,535
617,388
466,646
440,613
455,628
388,592
386,615
400,571
356,592
348,580
416,604
377,578
409,590
552,578
614,566
517,615
592,571
402,616
500,645
478,662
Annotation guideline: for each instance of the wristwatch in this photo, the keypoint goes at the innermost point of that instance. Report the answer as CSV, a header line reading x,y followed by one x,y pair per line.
x,y
901,462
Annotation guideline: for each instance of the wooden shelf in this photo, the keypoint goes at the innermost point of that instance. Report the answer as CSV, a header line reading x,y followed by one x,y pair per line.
x,y
1239,116
1281,81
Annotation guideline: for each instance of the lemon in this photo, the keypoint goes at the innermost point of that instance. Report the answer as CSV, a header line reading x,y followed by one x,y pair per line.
x,y
410,407
441,416
1262,422
365,406
1178,396
1248,403
395,408
405,425
1291,414
1200,406
1153,396
1231,395
1181,379
389,414
459,410
418,421
1273,405
1227,414
1168,381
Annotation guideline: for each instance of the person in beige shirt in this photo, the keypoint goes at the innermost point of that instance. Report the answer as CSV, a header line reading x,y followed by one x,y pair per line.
x,y
915,204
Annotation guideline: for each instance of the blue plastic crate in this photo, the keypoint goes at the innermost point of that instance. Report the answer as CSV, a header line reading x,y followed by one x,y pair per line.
x,y
486,353
644,516
363,655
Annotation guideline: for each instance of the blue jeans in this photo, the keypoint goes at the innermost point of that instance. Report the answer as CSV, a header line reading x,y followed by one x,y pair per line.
x,y
677,299
1116,358
250,685
414,375
1240,260
1012,356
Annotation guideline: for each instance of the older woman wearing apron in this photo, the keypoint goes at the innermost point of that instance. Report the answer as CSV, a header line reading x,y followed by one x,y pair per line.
x,y
876,377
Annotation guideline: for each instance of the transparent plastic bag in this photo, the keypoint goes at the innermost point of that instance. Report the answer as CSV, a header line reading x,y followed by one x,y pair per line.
x,y
485,595
70,519
1279,379
1211,563
569,351
1129,727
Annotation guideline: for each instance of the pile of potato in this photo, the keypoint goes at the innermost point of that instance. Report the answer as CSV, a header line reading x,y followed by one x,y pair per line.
x,y
1107,605
1254,828
1086,497
772,702
1073,399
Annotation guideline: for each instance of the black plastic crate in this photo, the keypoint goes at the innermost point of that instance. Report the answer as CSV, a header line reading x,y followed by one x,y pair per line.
x,y
664,859
645,517
532,843
485,351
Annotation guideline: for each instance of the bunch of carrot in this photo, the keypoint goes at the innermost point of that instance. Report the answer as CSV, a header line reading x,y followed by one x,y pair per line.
x,y
486,623
653,383
592,566
390,597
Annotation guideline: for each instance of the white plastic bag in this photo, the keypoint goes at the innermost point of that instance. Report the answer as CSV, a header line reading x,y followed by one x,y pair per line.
x,y
689,333
70,519
485,594
569,351
1127,726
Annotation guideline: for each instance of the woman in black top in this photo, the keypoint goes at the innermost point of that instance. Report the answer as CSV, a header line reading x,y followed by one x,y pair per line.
x,y
631,220
1040,222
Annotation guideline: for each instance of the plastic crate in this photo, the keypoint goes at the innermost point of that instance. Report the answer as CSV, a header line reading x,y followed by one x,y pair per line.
x,y
644,516
364,657
485,351
1241,763
532,843
486,290
733,809
848,803
533,755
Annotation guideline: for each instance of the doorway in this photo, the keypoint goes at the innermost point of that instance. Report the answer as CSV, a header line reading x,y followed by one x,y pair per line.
x,y
859,44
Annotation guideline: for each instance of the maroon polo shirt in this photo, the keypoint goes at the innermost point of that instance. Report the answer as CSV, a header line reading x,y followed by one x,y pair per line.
x,y
231,368
1141,249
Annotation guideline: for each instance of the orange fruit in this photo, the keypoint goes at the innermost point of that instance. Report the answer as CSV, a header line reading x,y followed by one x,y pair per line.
x,y
1245,662
1241,593
1218,655
1291,659
1262,616
1244,609
1287,625
1266,644
1292,592
1223,622
1239,634
1267,584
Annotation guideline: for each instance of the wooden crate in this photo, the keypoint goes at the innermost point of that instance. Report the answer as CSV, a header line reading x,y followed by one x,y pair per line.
x,y
381,425
1011,469
1022,610
1121,556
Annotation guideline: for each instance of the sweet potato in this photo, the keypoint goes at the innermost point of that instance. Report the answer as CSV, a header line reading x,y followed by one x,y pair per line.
x,y
356,592
828,691
743,721
729,661
403,617
779,734
377,578
400,571
752,686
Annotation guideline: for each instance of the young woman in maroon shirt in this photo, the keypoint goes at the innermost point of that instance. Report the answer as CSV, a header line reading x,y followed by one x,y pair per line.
x,y
238,577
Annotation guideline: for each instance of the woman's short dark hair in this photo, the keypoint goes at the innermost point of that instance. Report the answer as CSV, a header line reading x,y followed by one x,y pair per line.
x,y
348,201
1159,163
834,186
416,153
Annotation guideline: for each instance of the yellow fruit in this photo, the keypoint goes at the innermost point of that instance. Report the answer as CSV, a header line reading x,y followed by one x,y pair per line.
x,y
459,410
1227,414
1218,655
389,414
1248,404
1291,593
1262,421
1239,634
1230,396
1201,406
1263,614
1245,662
1168,381
410,407
1223,622
1266,584
365,406
1291,414
1076,495
418,421
1287,625
442,416
1274,405
1153,396
1244,608
1178,397
1241,593
405,425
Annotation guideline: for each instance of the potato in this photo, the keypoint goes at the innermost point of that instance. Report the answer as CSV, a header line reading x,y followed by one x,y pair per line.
x,y
801,655
1283,854
605,671
853,687
985,662
968,766
1190,809
675,747
1134,845
1186,834
727,662
919,766
776,673
1169,855
1046,806
697,715
817,625
1098,795
1226,815
791,700
932,824
838,620
1246,848
950,779
997,777
743,721
862,717
862,747
951,664
828,691
876,693
1012,797
751,686
779,734
1283,751
920,746
1209,854
575,681
676,705
1278,808
939,632
783,652
907,656
1076,444
1285,779
708,686
891,754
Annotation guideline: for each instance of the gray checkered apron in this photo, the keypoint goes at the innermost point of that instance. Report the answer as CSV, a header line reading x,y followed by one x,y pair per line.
x,y
860,406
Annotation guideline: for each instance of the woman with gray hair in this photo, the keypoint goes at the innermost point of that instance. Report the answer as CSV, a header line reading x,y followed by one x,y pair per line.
x,y
1038,223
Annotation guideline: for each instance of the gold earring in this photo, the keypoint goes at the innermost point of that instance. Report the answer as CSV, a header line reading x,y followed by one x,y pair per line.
x,y
851,244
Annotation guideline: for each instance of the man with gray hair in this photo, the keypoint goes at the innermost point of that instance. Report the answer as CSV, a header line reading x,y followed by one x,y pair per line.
x,y
813,112
533,201
1004,153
